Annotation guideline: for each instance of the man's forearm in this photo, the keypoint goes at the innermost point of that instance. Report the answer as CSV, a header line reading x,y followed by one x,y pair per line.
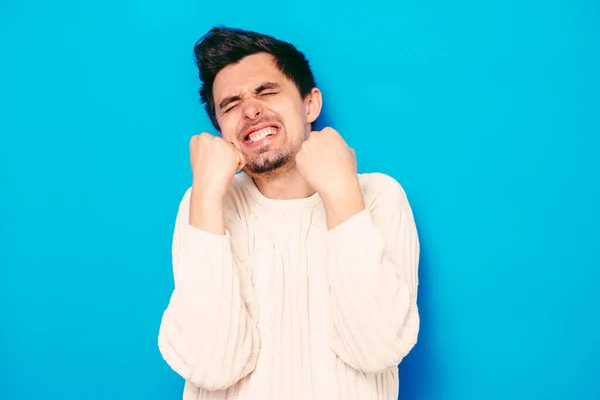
x,y
206,211
342,204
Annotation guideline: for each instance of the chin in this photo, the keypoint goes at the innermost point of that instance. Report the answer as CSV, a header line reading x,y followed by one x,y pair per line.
x,y
269,165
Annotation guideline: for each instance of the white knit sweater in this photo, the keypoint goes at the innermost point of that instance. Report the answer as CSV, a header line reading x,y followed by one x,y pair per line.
x,y
282,308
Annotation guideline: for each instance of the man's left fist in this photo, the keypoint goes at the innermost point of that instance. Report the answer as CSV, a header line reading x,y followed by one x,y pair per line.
x,y
327,163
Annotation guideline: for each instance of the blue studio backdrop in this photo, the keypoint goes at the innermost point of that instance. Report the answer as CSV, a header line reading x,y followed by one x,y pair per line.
x,y
487,112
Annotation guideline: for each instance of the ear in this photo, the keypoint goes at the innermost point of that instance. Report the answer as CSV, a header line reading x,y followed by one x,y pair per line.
x,y
313,102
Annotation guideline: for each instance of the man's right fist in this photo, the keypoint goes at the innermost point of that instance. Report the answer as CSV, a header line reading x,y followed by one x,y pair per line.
x,y
214,162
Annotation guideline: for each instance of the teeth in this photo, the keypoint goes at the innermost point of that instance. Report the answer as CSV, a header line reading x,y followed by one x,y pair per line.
x,y
256,136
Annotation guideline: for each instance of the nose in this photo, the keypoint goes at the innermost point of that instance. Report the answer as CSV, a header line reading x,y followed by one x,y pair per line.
x,y
252,110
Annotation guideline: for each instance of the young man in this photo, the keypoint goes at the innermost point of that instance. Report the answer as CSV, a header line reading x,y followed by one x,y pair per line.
x,y
296,278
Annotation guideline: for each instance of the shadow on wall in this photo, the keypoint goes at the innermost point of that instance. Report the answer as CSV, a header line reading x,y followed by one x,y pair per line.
x,y
417,370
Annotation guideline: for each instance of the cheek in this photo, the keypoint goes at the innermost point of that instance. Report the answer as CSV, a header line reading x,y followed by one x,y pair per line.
x,y
292,112
228,130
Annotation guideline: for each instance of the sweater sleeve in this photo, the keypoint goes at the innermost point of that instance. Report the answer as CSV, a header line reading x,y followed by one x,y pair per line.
x,y
373,274
208,333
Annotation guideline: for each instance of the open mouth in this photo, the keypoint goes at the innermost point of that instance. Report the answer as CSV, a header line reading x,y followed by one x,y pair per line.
x,y
261,134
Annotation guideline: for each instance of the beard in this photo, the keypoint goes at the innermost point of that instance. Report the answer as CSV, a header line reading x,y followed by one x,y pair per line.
x,y
269,163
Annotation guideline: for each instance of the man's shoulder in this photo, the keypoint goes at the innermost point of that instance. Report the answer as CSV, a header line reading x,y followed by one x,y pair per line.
x,y
378,183
380,189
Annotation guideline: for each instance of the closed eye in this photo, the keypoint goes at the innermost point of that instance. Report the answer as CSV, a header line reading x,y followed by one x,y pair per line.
x,y
231,108
265,89
268,88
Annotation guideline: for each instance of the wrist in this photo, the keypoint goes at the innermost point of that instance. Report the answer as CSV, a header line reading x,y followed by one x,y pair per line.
x,y
206,212
341,190
206,197
343,205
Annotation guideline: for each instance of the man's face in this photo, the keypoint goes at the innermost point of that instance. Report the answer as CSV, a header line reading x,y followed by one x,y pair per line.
x,y
261,112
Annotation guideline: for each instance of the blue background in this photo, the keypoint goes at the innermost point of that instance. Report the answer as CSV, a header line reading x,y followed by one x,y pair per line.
x,y
488,113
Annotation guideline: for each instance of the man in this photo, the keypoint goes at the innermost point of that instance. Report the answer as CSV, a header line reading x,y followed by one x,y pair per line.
x,y
296,278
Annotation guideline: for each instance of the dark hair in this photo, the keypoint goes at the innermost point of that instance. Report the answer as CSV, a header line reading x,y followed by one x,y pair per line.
x,y
222,46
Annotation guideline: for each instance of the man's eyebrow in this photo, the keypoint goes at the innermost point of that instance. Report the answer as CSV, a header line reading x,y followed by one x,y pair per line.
x,y
228,100
260,88
267,86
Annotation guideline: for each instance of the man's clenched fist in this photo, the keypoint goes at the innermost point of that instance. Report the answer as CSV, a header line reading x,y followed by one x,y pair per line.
x,y
214,162
327,163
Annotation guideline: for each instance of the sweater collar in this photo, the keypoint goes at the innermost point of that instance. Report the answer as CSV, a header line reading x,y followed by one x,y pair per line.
x,y
251,188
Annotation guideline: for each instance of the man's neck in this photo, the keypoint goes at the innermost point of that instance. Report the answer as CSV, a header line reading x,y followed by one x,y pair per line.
x,y
283,185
